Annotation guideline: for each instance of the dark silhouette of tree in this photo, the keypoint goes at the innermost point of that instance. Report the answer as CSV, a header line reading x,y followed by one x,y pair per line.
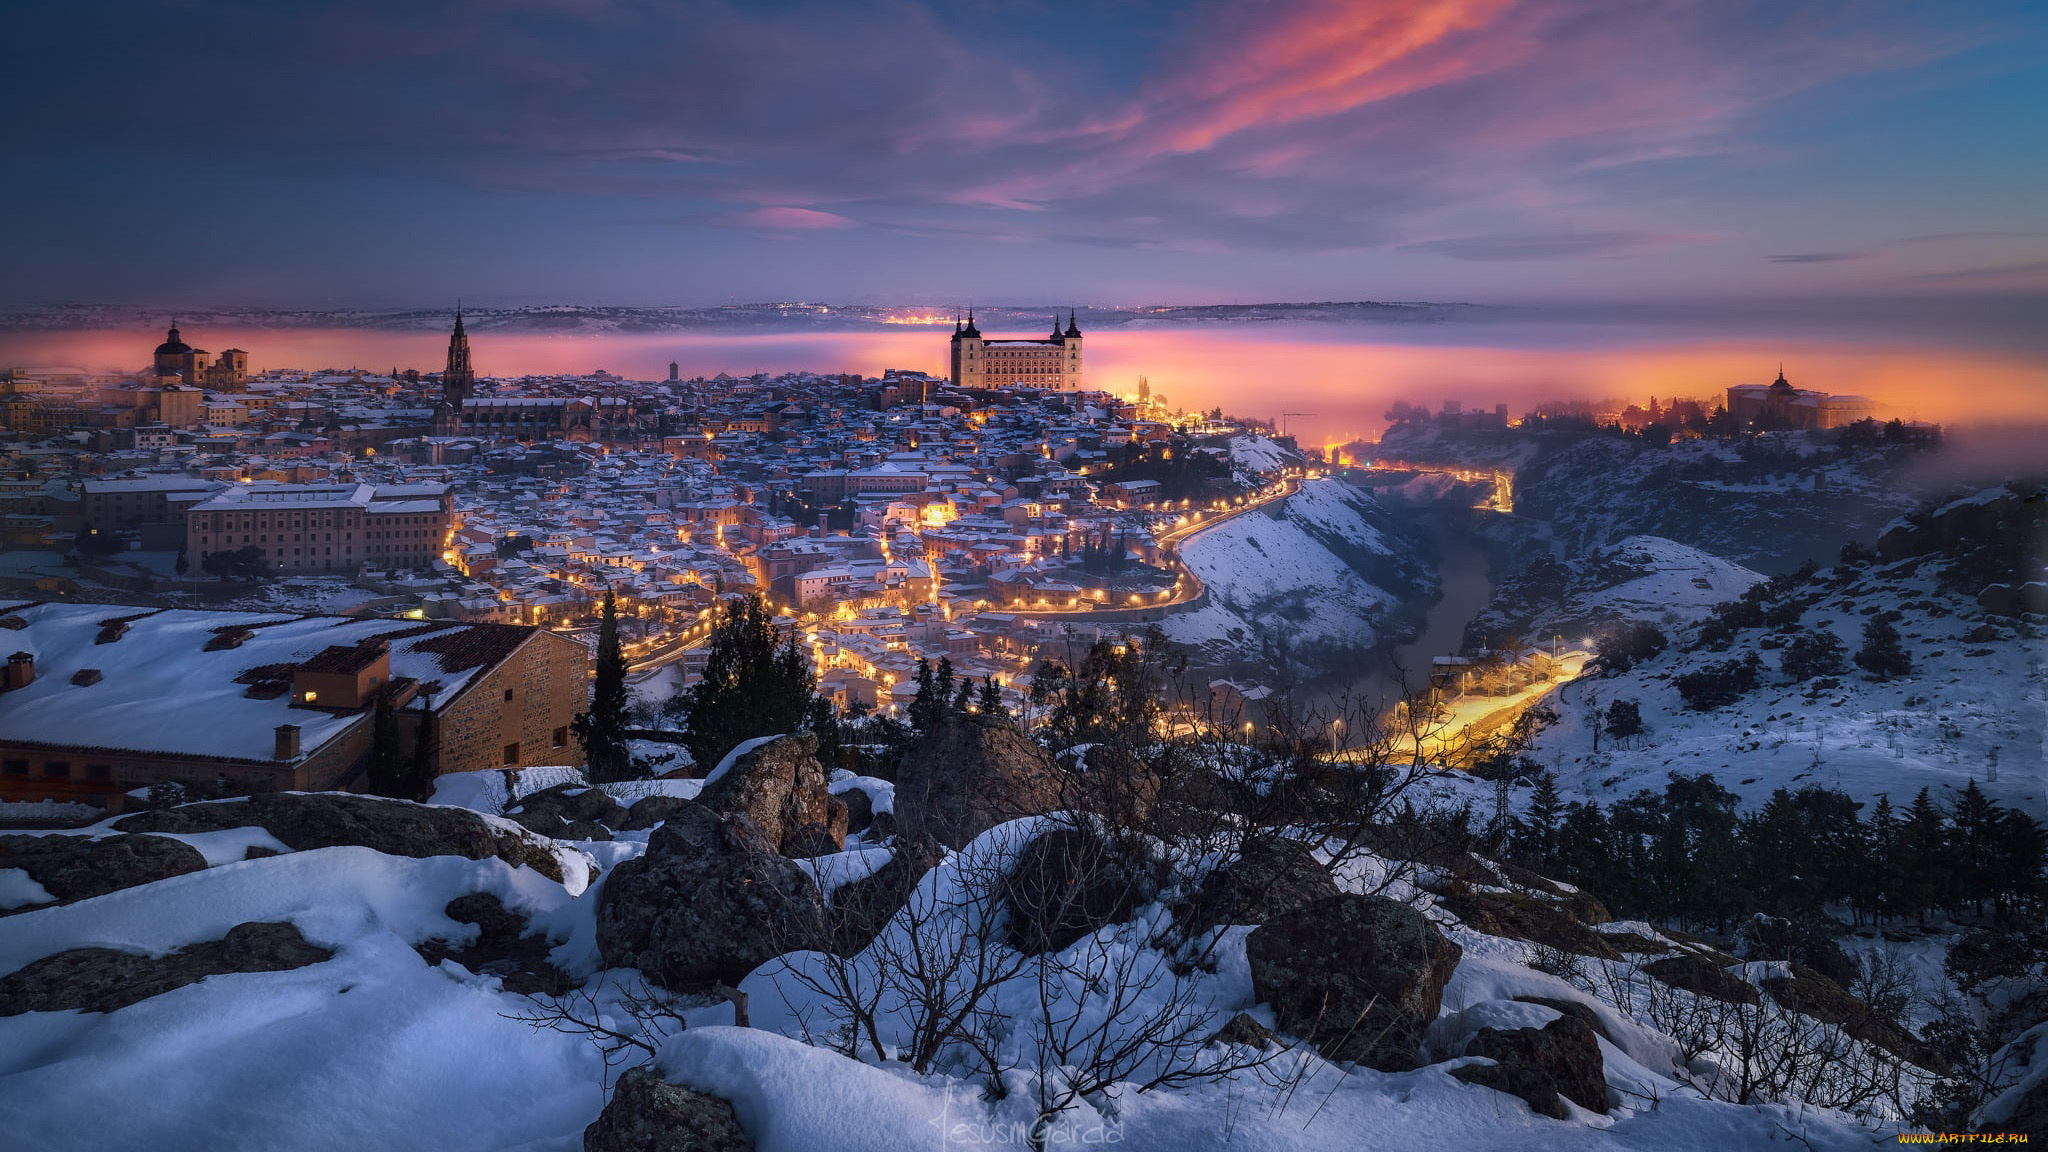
x,y
991,700
1624,719
601,729
386,765
752,686
1622,647
1883,654
1814,653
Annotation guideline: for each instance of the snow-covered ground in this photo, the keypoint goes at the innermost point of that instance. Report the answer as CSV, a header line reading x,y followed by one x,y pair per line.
x,y
1969,711
376,1048
1326,571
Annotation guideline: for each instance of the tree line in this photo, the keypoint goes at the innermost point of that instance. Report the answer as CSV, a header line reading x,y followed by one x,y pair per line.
x,y
1688,855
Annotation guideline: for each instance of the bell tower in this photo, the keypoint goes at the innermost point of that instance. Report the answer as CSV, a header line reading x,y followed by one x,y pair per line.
x,y
458,377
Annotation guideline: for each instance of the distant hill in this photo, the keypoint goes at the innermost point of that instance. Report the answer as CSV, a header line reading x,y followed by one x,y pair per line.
x,y
593,318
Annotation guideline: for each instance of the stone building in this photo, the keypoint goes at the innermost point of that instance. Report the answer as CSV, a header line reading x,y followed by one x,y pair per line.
x,y
1052,362
99,700
1778,405
313,528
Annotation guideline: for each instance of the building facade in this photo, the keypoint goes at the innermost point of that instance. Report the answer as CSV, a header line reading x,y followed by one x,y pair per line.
x,y
1778,405
314,528
1052,362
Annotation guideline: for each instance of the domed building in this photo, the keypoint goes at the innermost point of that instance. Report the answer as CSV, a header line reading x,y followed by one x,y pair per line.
x,y
174,357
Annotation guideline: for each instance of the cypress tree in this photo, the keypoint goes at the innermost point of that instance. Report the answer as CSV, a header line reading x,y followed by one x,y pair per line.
x,y
602,729
991,701
385,769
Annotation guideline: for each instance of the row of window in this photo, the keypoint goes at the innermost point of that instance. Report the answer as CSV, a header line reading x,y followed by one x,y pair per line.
x,y
55,770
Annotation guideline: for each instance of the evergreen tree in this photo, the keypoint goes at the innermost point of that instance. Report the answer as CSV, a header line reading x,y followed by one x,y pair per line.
x,y
1810,654
385,768
1539,831
991,701
752,686
927,710
963,699
1624,719
1973,820
602,728
1924,862
419,772
1883,654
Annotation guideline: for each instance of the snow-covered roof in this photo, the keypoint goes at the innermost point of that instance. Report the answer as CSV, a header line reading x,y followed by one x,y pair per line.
x,y
161,689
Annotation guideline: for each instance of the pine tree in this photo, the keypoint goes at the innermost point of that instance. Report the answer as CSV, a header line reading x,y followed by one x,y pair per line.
x,y
602,729
1624,719
385,769
1924,862
1883,654
752,686
925,710
1971,834
991,702
1539,831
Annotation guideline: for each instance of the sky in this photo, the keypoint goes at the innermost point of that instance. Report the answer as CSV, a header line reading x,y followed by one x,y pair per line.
x,y
1649,153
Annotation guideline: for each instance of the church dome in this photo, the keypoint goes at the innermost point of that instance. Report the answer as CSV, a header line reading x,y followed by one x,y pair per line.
x,y
172,346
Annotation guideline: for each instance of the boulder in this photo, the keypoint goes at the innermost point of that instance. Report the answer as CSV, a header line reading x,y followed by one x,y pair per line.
x,y
1699,975
1072,881
1803,942
106,979
1560,1059
969,776
1360,977
502,948
308,820
861,907
810,841
77,867
649,1114
1522,916
1577,1009
651,810
569,812
708,902
1268,878
780,787
1812,994
860,809
1242,1029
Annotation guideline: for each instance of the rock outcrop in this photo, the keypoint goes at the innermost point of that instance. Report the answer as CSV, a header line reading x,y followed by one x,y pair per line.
x,y
1540,1065
971,775
503,947
569,812
308,820
708,902
780,788
649,1114
1360,977
78,867
106,979
1269,878
1691,972
861,907
1072,881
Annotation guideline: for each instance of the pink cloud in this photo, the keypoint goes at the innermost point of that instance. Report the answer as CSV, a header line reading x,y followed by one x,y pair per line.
x,y
789,219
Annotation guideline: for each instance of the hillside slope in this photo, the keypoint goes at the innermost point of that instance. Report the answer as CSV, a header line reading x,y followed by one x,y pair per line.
x,y
1326,575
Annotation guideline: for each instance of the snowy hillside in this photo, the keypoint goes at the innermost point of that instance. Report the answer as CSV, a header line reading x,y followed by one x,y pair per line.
x,y
381,1046
1641,578
1973,706
1325,574
1768,503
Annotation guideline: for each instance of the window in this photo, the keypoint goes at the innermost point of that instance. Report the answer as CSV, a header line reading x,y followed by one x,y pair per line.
x,y
561,737
508,695
512,754
14,767
57,769
99,772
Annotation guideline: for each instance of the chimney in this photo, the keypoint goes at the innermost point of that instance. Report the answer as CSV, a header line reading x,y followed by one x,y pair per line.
x,y
21,670
287,742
